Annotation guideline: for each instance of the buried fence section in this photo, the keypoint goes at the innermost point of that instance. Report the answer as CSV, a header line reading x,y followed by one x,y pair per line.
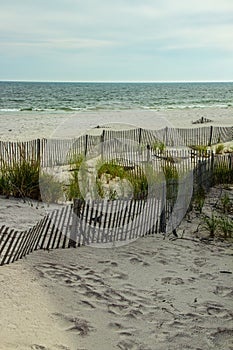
x,y
48,233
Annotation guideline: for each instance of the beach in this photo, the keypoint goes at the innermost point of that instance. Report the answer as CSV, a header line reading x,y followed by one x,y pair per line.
x,y
154,293
158,292
29,125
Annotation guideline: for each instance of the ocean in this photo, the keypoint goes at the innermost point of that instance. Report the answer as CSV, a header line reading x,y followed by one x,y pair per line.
x,y
70,97
29,110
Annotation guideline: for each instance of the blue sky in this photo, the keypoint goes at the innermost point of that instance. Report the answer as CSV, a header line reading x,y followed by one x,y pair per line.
x,y
116,40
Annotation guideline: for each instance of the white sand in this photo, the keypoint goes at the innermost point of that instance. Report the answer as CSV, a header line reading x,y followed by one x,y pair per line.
x,y
153,294
27,126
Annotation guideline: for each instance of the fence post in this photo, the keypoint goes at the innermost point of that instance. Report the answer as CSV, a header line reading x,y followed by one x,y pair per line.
x,y
148,153
212,168
38,150
140,136
211,135
166,135
102,144
86,141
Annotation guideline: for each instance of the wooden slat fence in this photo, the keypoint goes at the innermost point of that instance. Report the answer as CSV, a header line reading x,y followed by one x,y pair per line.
x,y
52,232
52,152
101,222
94,222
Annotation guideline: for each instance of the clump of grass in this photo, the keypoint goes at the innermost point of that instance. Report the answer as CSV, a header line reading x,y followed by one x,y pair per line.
x,y
226,227
158,146
134,175
199,199
211,224
222,174
226,203
218,226
73,189
20,179
171,177
113,169
219,148
202,150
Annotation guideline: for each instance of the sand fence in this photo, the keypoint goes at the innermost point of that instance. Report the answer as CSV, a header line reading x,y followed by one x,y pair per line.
x,y
54,151
105,222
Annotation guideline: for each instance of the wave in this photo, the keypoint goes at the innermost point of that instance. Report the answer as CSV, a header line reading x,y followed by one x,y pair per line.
x,y
98,108
9,109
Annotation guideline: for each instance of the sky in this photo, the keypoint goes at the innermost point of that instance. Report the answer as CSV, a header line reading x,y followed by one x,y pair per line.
x,y
116,40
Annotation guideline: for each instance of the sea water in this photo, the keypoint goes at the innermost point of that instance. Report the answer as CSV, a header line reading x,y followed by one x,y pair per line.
x,y
69,97
30,110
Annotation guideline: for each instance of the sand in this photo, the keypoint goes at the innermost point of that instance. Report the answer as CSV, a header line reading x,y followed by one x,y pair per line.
x,y
28,126
152,294
157,293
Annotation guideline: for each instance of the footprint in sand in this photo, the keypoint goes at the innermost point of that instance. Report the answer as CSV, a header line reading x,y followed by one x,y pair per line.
x,y
135,261
131,345
223,339
108,262
172,280
88,304
74,324
224,291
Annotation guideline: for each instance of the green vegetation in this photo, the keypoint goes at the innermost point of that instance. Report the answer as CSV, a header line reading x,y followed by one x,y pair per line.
x,y
202,151
218,226
223,174
227,203
113,170
199,199
226,226
20,179
158,146
211,224
77,164
219,148
171,177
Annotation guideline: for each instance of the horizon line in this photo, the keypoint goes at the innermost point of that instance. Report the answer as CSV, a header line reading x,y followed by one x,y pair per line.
x,y
116,81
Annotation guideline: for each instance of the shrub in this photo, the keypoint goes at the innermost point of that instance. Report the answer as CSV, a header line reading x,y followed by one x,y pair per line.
x,y
199,199
133,174
226,227
158,146
223,174
226,203
73,189
211,224
172,177
202,151
20,179
219,149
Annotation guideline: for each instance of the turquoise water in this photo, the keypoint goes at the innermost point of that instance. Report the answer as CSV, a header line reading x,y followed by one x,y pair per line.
x,y
67,97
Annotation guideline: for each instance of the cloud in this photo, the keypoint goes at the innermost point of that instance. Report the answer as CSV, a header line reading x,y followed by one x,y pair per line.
x,y
117,30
